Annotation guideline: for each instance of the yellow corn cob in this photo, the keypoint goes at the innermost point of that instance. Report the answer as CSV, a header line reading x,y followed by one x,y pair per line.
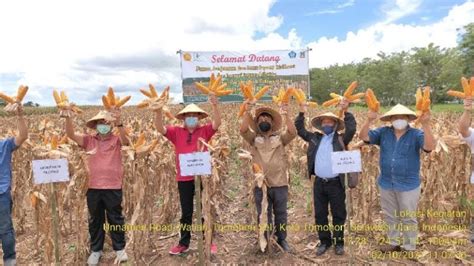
x,y
216,83
350,89
143,105
354,97
457,94
146,93
287,95
419,99
7,98
313,104
221,87
225,92
202,88
106,103
426,99
466,87
124,100
111,97
472,85
335,95
153,92
22,90
64,97
56,96
331,102
261,92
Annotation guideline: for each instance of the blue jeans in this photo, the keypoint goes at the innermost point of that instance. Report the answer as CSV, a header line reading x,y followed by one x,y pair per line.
x,y
7,233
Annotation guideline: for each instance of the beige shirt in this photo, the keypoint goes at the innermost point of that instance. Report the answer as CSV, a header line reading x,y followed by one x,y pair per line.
x,y
269,153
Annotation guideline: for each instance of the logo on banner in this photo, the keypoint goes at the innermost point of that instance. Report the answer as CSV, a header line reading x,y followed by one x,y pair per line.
x,y
187,57
292,54
302,54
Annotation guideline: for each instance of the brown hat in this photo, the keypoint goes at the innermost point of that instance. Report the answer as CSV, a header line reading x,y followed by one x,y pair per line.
x,y
192,108
398,110
276,117
102,115
316,121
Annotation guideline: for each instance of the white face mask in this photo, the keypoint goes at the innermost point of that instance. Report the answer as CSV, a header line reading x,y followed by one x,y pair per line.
x,y
400,124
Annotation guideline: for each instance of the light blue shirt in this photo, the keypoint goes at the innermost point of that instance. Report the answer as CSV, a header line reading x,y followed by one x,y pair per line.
x,y
7,146
322,162
399,159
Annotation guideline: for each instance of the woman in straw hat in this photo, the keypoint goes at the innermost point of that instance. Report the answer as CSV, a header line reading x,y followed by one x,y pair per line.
x,y
185,140
7,147
467,133
105,169
328,188
267,140
399,179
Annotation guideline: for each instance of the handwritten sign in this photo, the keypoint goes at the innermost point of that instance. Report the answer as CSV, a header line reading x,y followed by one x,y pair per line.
x,y
346,162
50,171
197,163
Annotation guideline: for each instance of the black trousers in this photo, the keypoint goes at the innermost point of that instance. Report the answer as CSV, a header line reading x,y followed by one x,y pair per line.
x,y
277,198
102,203
330,193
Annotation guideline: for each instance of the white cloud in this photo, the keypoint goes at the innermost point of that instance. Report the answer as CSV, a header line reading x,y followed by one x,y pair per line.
x,y
396,9
85,46
337,9
390,37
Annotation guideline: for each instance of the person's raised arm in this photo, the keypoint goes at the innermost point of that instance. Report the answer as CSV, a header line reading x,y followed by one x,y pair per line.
x,y
465,120
118,123
429,139
364,131
70,132
216,115
158,121
22,128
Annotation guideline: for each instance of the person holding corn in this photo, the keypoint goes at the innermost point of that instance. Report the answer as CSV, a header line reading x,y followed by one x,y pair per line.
x,y
105,169
328,188
467,133
268,141
186,140
7,147
399,180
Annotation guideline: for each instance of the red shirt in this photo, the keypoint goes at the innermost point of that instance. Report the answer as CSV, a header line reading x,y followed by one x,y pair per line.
x,y
105,161
179,136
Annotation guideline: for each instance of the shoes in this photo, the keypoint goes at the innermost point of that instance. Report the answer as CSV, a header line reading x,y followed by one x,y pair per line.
x,y
11,262
322,249
121,256
179,249
94,258
284,245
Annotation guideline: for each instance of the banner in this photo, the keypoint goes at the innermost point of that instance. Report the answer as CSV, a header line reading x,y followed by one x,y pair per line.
x,y
277,69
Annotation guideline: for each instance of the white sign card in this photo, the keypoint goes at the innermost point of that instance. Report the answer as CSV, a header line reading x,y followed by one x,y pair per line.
x,y
197,163
346,162
50,171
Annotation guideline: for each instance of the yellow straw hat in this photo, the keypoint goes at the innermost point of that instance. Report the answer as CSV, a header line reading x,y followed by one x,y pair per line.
x,y
316,121
102,115
398,110
276,117
192,108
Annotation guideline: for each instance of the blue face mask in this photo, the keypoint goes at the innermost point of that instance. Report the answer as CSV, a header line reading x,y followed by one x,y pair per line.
x,y
328,129
103,129
191,121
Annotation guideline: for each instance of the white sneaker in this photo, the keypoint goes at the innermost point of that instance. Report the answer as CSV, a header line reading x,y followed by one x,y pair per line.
x,y
10,262
94,258
121,256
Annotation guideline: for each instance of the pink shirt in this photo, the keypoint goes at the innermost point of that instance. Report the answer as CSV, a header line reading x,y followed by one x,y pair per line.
x,y
179,137
104,162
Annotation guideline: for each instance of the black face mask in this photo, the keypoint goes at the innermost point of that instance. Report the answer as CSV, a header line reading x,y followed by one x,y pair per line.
x,y
264,126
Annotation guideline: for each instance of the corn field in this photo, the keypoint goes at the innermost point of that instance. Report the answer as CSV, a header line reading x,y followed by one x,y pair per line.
x,y
151,196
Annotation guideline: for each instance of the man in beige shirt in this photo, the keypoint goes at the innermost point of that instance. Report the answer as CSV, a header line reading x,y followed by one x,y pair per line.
x,y
267,140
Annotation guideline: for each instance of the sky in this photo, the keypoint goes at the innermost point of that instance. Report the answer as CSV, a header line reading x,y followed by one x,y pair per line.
x,y
83,47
